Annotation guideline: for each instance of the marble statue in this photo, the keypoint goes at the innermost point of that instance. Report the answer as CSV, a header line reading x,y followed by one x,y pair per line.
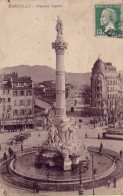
x,y
59,26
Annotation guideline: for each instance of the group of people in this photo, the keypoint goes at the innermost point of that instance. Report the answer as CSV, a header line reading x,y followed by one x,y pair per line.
x,y
14,128
36,187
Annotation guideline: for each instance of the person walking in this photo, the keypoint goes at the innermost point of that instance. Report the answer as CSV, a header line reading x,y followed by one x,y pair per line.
x,y
37,187
121,152
21,147
114,181
101,148
34,186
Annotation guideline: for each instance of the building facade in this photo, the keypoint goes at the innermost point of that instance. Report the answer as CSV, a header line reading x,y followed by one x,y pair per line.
x,y
17,101
106,87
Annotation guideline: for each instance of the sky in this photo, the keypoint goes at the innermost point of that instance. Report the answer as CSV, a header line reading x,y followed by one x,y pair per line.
x,y
26,35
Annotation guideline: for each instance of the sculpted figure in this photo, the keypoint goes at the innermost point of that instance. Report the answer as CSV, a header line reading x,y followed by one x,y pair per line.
x,y
108,19
59,26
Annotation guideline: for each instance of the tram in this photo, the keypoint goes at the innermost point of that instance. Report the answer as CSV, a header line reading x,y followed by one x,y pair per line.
x,y
113,134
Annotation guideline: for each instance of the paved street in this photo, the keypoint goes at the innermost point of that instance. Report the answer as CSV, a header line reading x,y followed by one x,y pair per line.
x,y
37,136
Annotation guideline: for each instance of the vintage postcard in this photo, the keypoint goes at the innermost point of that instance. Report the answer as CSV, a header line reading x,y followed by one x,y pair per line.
x,y
61,97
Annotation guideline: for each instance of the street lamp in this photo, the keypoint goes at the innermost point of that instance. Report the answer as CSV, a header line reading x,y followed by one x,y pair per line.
x,y
93,172
80,179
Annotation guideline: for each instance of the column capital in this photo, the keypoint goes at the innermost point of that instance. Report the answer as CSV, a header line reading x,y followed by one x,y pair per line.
x,y
59,47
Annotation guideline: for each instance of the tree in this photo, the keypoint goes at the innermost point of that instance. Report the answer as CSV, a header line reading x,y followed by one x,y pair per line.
x,y
86,94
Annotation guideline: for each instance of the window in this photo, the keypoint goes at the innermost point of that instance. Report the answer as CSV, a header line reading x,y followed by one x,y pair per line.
x,y
21,102
15,102
9,99
29,101
9,107
3,92
29,111
22,112
15,112
21,93
8,115
15,93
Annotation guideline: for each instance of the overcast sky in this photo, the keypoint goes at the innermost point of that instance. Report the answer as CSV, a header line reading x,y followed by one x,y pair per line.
x,y
26,35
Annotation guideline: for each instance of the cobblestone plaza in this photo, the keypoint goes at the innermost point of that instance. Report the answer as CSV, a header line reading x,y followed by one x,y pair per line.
x,y
40,136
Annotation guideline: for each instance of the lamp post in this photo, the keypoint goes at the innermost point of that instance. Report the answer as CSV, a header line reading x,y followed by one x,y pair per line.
x,y
93,172
80,179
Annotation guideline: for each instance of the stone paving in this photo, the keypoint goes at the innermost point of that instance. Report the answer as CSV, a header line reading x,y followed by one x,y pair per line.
x,y
38,136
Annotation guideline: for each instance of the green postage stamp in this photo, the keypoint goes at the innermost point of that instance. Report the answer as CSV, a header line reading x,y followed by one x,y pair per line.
x,y
108,20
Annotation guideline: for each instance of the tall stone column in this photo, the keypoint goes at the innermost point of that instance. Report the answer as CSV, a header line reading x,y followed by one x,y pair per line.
x,y
59,45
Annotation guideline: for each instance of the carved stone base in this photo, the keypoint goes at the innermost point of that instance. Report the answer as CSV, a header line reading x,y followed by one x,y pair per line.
x,y
67,165
58,120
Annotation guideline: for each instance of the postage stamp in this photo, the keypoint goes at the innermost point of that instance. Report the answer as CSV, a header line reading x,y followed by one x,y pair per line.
x,y
108,20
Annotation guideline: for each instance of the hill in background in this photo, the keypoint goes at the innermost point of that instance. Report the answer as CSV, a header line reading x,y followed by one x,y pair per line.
x,y
41,73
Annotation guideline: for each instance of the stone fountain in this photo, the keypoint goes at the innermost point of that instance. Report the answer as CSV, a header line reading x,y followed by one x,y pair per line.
x,y
62,148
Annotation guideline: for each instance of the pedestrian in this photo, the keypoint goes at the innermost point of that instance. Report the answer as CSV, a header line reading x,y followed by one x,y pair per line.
x,y
10,151
4,156
108,182
37,187
21,147
101,148
121,152
0,146
98,136
86,135
101,145
34,186
114,181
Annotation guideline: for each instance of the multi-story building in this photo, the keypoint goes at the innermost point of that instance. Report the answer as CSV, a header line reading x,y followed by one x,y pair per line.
x,y
106,86
17,101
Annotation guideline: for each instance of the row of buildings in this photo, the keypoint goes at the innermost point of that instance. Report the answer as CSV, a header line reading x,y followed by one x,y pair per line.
x,y
18,103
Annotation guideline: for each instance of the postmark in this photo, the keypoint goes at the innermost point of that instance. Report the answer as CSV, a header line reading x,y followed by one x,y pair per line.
x,y
108,20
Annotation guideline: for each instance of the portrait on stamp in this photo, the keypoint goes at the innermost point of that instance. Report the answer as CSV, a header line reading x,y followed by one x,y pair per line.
x,y
107,20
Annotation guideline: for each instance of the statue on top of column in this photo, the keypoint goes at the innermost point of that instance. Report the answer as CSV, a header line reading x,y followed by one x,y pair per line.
x,y
59,27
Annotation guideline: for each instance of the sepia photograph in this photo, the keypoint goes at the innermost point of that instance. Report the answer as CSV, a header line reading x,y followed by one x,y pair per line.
x,y
61,97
